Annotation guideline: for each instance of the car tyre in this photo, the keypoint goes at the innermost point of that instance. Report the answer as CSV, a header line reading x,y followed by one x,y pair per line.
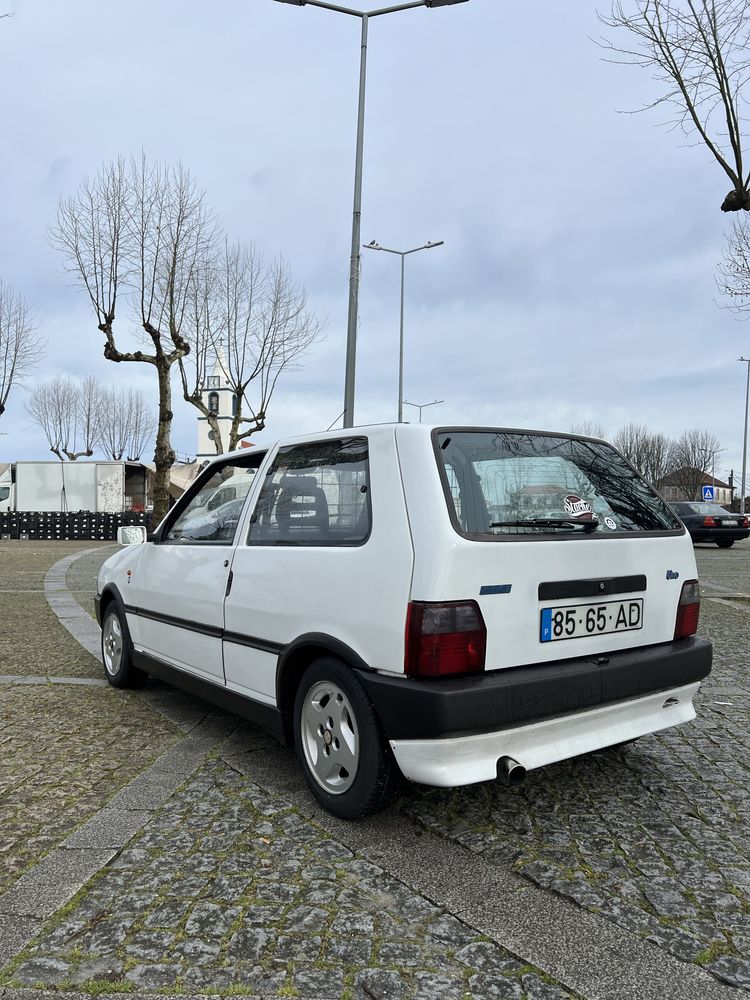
x,y
726,543
117,651
344,756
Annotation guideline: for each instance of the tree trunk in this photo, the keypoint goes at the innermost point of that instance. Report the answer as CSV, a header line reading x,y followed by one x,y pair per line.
x,y
236,434
164,455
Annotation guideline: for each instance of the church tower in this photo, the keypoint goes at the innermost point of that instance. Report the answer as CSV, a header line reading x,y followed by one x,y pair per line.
x,y
218,397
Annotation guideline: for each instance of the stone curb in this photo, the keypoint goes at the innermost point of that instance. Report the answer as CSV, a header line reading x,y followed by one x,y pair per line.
x,y
28,679
30,994
71,615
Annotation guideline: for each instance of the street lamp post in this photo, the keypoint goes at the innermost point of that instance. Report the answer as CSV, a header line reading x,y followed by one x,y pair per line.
x,y
354,266
402,254
744,436
421,406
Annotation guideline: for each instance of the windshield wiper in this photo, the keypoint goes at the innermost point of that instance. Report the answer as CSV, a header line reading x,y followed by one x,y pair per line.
x,y
549,522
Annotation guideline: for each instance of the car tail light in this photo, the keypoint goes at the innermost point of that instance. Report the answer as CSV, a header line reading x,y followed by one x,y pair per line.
x,y
745,523
688,610
708,522
444,639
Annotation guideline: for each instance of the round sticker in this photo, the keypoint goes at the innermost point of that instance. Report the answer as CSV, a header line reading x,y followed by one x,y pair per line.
x,y
610,523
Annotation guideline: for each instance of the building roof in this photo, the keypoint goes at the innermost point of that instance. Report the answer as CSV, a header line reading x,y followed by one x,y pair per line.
x,y
705,480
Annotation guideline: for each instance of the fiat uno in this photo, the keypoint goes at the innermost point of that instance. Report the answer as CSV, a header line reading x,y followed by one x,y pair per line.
x,y
455,604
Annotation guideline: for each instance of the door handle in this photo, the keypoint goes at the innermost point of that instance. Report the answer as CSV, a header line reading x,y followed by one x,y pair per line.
x,y
226,563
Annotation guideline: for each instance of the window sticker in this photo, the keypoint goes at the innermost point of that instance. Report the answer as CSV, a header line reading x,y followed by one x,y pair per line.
x,y
576,507
612,525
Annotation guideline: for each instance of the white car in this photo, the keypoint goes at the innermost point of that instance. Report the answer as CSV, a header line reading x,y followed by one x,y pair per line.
x,y
457,604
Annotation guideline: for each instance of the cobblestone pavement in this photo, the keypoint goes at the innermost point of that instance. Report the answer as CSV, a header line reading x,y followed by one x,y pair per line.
x,y
64,751
82,576
725,569
229,890
32,642
654,836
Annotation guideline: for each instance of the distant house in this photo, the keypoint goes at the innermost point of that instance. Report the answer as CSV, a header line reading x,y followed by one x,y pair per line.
x,y
672,491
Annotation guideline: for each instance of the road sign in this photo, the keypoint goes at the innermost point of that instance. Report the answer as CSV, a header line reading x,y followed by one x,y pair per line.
x,y
708,493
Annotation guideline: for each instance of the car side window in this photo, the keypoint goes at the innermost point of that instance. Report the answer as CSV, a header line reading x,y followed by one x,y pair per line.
x,y
213,513
315,494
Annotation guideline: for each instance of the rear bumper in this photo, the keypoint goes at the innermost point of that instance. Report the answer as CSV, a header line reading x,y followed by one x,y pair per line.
x,y
728,535
464,760
485,703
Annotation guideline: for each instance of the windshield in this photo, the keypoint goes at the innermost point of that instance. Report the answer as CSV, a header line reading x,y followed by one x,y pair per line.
x,y
509,483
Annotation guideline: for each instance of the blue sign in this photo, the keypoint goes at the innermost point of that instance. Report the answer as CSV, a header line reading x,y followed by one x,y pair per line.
x,y
708,493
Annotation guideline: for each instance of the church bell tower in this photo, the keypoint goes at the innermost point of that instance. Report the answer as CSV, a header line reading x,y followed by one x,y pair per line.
x,y
218,397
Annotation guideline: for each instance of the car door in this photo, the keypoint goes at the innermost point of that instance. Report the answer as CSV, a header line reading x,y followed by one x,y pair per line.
x,y
181,581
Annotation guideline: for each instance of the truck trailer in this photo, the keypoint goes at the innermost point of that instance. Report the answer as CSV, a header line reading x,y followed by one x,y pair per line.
x,y
63,487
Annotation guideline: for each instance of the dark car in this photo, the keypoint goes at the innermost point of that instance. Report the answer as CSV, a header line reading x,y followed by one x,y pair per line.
x,y
708,522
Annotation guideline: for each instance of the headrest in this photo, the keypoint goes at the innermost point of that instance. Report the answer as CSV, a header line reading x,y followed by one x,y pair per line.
x,y
302,485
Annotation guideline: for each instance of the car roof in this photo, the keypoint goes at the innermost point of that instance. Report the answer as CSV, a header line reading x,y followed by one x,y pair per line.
x,y
390,428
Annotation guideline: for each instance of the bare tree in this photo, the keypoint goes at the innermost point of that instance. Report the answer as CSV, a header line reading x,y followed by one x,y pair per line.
x,y
113,425
691,459
649,452
140,232
88,416
589,428
20,345
734,270
256,321
142,425
53,406
68,413
698,51
126,424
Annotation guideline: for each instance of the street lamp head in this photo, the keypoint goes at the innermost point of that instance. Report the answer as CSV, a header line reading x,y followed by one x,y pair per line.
x,y
297,3
373,245
430,244
428,3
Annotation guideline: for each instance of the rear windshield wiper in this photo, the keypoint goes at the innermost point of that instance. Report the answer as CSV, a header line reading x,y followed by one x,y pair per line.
x,y
548,522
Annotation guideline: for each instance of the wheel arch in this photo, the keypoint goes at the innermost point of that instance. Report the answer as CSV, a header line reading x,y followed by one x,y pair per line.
x,y
295,658
109,595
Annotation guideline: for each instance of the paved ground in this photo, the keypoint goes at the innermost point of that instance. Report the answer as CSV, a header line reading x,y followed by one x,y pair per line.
x,y
621,874
30,640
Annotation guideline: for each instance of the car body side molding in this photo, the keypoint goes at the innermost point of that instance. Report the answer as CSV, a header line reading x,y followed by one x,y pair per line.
x,y
254,711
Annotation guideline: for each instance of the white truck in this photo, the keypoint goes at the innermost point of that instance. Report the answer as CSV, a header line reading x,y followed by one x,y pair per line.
x,y
108,487
7,488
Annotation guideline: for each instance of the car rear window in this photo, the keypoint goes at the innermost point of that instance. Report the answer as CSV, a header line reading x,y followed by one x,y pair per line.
x,y
703,508
503,484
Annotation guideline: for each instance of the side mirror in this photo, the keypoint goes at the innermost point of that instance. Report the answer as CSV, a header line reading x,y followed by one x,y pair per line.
x,y
132,534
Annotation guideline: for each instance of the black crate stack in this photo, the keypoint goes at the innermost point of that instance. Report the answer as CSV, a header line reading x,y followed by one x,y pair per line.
x,y
80,525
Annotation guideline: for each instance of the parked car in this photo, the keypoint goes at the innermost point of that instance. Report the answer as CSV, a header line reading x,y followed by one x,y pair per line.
x,y
708,522
234,486
455,604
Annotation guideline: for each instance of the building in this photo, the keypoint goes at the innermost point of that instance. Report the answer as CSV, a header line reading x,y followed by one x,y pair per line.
x,y
218,397
674,493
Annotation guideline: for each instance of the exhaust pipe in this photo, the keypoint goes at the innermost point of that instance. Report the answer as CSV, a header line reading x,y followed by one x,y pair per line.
x,y
511,771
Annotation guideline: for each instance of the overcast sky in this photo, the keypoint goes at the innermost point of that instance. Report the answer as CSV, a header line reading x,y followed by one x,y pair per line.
x,y
577,280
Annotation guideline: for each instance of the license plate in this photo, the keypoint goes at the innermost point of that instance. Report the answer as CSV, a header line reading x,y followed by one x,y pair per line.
x,y
729,524
579,620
